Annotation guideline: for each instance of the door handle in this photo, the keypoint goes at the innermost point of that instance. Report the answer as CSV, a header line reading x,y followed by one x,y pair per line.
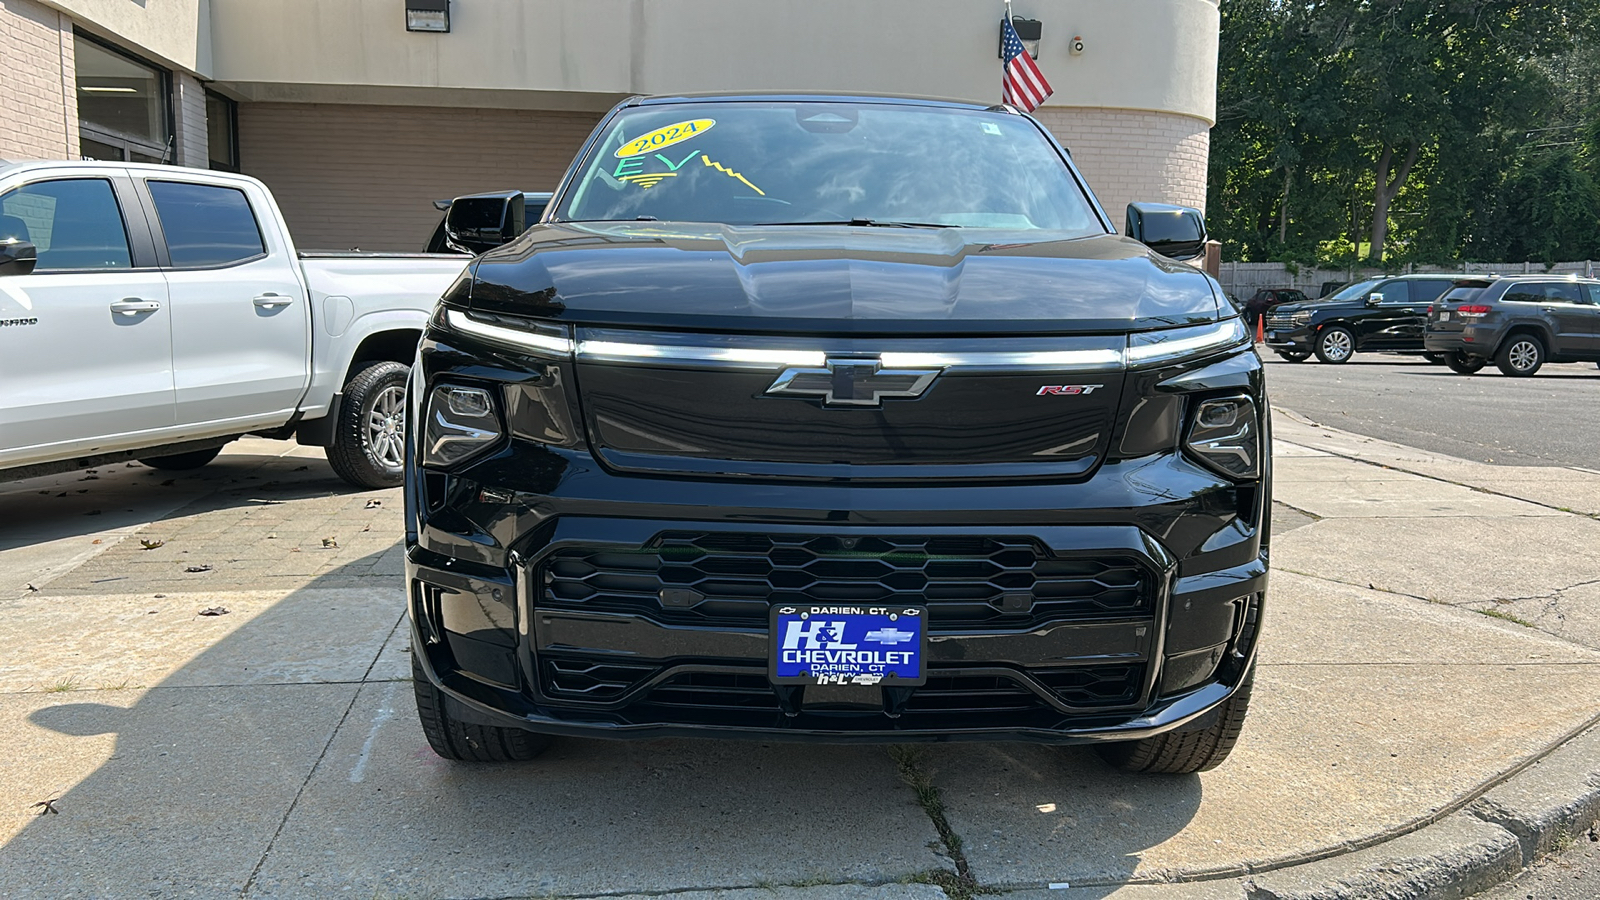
x,y
1408,311
132,306
272,301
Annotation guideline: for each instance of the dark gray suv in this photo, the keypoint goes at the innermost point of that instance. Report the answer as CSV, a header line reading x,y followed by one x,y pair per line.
x,y
1519,323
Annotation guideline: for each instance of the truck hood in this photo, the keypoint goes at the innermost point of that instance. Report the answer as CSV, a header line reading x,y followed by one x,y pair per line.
x,y
839,279
1284,309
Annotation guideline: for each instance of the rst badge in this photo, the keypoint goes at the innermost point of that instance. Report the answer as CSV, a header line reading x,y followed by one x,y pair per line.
x,y
1068,390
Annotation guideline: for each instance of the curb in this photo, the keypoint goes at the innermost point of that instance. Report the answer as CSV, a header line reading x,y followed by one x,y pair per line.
x,y
1539,810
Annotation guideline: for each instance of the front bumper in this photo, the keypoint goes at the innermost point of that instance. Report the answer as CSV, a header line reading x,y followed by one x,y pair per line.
x,y
1290,338
528,617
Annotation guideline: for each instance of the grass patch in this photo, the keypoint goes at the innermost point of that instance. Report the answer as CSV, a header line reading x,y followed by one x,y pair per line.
x,y
62,687
1505,617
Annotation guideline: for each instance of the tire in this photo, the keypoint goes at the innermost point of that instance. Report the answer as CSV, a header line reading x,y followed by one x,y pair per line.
x,y
182,462
1520,355
1185,752
369,439
1336,345
465,741
1436,359
1294,357
1462,364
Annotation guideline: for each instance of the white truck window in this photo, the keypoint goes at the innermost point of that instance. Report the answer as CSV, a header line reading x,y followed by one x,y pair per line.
x,y
206,225
74,223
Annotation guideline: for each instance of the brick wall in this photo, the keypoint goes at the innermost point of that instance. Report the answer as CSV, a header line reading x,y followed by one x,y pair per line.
x,y
38,88
1129,155
366,176
189,114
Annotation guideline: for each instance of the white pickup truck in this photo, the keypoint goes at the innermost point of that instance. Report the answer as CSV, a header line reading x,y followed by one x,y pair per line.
x,y
156,313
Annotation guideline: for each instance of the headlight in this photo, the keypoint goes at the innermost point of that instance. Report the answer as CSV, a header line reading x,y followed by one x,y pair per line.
x,y
461,423
1175,344
1301,318
1225,436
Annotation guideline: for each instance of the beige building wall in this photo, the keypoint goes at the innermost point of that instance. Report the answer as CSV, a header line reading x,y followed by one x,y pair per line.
x,y
367,176
38,91
1133,155
189,121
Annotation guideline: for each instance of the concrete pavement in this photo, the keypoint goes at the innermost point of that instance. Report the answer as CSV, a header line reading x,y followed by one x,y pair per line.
x,y
1419,729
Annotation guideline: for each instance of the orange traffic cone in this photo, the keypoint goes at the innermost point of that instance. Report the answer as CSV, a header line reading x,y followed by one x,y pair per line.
x,y
1261,329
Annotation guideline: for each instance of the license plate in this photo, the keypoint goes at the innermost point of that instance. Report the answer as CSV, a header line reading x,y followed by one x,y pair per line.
x,y
1444,317
866,645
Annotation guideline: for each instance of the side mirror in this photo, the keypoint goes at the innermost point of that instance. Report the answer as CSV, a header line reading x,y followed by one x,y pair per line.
x,y
1374,299
483,222
1178,232
17,257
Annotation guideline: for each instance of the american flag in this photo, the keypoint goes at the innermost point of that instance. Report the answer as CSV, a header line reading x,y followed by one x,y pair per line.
x,y
1023,86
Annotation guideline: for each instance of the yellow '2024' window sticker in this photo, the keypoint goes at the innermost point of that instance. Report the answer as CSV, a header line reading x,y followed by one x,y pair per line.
x,y
664,136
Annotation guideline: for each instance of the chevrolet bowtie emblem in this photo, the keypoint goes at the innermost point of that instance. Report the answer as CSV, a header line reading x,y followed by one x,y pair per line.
x,y
853,383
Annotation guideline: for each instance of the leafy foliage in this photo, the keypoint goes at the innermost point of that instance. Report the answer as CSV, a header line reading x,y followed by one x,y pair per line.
x,y
1408,131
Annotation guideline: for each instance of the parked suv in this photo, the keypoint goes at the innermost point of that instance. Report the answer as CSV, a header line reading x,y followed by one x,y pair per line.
x,y
1377,314
837,419
1520,323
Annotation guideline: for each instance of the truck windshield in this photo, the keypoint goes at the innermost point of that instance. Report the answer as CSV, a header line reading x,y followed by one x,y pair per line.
x,y
1356,291
828,163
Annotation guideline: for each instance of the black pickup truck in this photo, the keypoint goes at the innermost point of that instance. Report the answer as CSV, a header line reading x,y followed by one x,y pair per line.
x,y
837,419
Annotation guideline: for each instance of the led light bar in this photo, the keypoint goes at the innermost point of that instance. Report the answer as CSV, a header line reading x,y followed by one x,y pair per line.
x,y
512,337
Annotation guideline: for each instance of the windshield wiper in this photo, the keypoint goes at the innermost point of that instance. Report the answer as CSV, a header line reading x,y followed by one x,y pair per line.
x,y
866,223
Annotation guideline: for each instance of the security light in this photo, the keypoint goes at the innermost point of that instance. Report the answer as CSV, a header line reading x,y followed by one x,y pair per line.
x,y
1028,30
428,15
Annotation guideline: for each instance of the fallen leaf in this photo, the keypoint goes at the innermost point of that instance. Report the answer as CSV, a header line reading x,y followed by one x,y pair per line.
x,y
150,545
330,542
161,596
272,537
301,468
95,541
214,611
46,806
90,478
374,504
198,569
294,549
32,588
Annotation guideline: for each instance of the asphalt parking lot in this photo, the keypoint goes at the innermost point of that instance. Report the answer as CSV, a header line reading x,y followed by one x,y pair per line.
x,y
270,748
1487,417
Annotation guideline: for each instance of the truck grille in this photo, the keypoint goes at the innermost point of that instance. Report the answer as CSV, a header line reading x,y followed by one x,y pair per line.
x,y
733,579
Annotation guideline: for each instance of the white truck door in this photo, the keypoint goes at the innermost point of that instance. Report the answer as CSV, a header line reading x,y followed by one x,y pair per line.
x,y
241,322
86,344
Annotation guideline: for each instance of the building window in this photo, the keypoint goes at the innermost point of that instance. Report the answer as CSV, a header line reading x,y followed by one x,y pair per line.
x,y
222,132
124,105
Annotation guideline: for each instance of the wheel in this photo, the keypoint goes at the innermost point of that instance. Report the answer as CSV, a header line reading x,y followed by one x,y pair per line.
x,y
1185,752
369,443
179,462
1520,356
1336,345
453,739
1462,364
1434,358
1294,356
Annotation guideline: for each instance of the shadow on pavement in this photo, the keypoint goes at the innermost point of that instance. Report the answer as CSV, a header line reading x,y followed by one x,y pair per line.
x,y
282,758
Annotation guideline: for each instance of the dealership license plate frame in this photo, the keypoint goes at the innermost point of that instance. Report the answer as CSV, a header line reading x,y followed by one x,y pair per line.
x,y
860,619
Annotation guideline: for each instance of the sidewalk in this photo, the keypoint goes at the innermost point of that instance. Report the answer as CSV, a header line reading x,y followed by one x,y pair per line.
x,y
1410,737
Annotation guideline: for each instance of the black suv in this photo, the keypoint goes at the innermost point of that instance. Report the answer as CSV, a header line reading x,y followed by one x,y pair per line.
x,y
1378,314
838,419
1518,322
